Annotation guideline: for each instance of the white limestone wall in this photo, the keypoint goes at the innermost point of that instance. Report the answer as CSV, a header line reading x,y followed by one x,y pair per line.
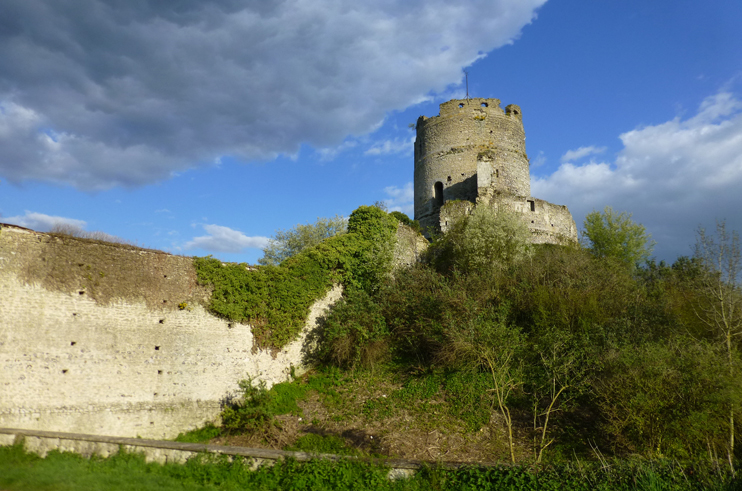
x,y
70,364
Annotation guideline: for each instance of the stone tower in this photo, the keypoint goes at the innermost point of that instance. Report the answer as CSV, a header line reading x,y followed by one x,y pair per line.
x,y
474,151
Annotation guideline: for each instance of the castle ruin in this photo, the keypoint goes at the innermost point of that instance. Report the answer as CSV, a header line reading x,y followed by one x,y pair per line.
x,y
474,153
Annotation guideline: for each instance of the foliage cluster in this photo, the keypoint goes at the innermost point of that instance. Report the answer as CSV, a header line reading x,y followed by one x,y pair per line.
x,y
126,471
275,300
255,407
580,352
612,234
405,220
287,243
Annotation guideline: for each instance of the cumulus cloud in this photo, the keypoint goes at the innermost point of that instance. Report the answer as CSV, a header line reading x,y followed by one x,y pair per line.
x,y
572,155
43,223
673,176
401,199
389,147
99,93
225,239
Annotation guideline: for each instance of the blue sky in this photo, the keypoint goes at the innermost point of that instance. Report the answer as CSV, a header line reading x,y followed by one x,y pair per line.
x,y
202,128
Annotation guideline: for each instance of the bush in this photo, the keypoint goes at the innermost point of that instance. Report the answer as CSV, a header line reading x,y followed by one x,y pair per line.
x,y
612,234
404,219
355,333
275,300
250,412
486,242
288,243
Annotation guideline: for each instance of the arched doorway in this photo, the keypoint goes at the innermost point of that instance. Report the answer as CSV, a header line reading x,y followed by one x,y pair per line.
x,y
438,194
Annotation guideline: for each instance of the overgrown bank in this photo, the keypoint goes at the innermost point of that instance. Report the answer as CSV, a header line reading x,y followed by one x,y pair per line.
x,y
528,354
275,299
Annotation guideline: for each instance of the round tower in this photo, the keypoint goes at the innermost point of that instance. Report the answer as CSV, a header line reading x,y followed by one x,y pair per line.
x,y
471,144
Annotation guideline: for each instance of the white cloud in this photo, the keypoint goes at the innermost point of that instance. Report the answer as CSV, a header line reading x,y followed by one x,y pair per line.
x,y
43,223
572,155
401,199
388,147
97,94
329,153
539,160
673,176
225,239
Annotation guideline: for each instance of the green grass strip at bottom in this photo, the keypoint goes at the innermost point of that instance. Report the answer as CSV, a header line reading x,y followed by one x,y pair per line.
x,y
21,471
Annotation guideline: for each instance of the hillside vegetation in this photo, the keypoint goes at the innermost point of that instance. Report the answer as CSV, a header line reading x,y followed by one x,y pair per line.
x,y
496,350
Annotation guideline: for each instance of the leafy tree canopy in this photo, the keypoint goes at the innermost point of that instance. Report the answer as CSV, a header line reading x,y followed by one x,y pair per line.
x,y
287,243
616,235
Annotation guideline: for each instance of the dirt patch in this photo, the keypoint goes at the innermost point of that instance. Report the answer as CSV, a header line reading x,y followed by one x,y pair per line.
x,y
421,430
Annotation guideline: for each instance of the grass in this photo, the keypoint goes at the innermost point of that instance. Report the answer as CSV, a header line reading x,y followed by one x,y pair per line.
x,y
21,471
200,435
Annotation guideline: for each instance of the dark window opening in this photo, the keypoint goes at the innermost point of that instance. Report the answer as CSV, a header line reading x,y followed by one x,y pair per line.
x,y
461,104
532,204
438,194
157,348
484,104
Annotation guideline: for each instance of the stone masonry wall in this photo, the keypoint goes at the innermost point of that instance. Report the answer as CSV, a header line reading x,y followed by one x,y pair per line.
x,y
92,340
547,222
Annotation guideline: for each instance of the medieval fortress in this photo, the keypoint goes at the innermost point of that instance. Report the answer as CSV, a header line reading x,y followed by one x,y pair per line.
x,y
115,340
475,153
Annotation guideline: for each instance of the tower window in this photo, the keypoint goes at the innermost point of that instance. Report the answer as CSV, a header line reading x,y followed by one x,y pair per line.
x,y
438,194
484,104
532,205
461,104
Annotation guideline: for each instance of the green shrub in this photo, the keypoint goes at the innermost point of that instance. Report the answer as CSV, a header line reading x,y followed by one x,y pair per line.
x,y
199,435
355,333
666,399
287,243
404,219
275,300
250,412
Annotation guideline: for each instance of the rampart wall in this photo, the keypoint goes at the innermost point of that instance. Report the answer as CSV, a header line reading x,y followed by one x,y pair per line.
x,y
108,339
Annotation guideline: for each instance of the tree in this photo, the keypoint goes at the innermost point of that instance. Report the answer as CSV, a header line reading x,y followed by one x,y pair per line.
x,y
721,306
287,243
612,234
556,377
486,242
488,343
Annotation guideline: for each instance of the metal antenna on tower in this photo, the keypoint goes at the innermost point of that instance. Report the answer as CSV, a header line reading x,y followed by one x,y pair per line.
x,y
466,72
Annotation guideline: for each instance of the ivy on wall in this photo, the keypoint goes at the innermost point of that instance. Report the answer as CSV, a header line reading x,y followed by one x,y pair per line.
x,y
275,300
